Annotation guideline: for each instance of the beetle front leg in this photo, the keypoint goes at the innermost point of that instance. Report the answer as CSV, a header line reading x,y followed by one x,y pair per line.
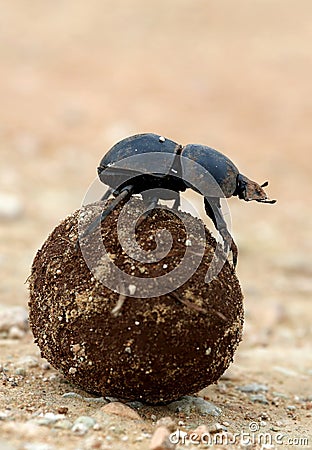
x,y
213,210
123,195
107,194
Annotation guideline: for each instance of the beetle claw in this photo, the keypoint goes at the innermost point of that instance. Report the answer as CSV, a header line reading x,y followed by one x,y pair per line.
x,y
229,245
234,251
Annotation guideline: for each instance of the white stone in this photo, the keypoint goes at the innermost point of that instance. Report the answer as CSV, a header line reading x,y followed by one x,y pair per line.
x,y
10,206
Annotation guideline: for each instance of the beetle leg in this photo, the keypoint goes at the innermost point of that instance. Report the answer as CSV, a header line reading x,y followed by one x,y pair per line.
x,y
107,194
213,210
151,203
123,195
177,202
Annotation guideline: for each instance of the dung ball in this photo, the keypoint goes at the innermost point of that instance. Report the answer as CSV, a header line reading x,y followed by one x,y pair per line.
x,y
132,340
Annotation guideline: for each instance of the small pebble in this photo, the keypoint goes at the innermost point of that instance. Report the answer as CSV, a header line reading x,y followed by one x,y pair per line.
x,y
253,387
86,399
111,399
29,361
187,404
279,394
167,422
291,407
45,366
10,206
48,418
160,439
13,317
216,428
280,423
95,399
83,424
135,404
120,409
20,371
259,398
72,395
3,415
64,424
264,416
16,333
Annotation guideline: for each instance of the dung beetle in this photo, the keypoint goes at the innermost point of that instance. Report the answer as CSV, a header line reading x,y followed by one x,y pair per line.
x,y
166,168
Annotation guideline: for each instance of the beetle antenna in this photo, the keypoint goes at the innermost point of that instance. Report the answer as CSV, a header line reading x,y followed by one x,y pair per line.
x,y
266,183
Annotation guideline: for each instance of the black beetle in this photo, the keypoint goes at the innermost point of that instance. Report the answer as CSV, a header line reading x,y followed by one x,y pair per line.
x,y
127,175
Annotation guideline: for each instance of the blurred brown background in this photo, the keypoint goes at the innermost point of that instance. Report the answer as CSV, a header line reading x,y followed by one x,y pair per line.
x,y
77,76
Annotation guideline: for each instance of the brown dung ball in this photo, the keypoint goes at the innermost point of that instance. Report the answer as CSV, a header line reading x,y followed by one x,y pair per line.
x,y
155,348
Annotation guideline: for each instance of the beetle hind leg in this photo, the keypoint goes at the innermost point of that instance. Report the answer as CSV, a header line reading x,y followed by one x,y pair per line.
x,y
213,210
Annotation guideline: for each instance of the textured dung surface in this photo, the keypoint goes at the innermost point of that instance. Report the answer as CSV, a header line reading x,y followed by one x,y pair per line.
x,y
156,349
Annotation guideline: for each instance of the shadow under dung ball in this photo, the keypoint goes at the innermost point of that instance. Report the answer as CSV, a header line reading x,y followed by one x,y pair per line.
x,y
150,349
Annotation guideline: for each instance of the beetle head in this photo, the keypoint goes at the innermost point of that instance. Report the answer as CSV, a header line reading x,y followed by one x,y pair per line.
x,y
249,190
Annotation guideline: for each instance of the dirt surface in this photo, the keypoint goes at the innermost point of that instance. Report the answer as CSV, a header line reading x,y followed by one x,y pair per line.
x,y
75,78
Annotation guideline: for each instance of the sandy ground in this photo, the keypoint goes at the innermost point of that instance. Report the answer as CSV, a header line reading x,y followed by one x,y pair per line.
x,y
76,77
